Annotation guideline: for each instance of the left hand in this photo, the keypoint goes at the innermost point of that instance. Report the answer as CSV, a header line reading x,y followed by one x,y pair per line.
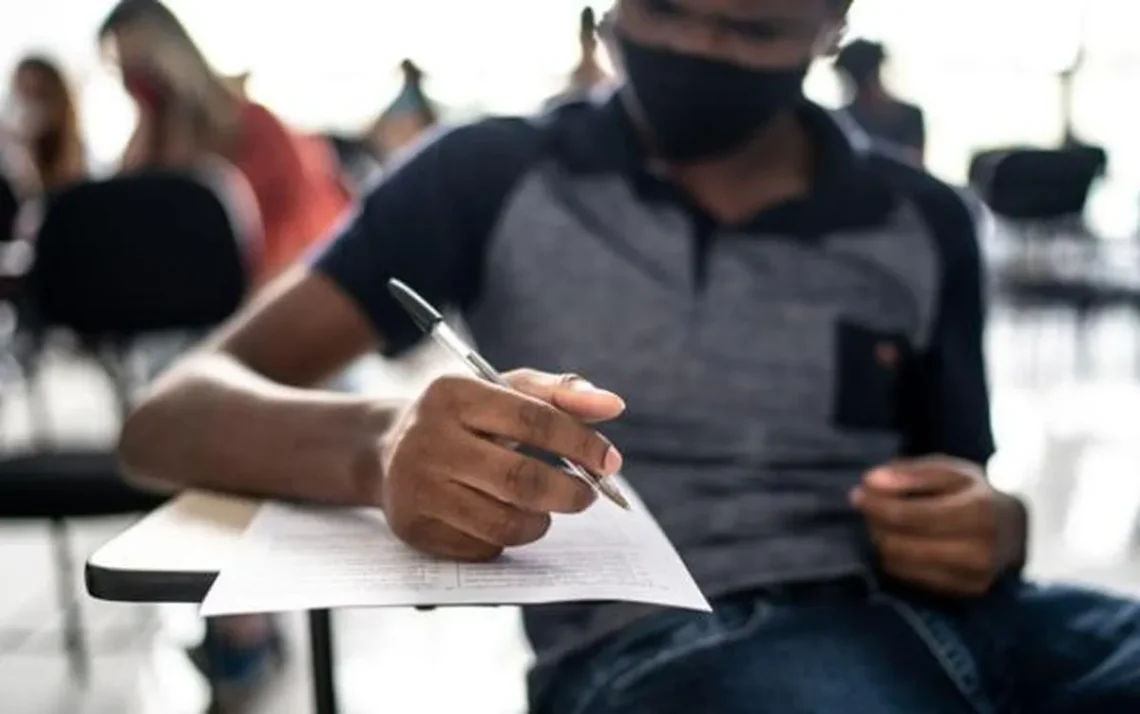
x,y
939,525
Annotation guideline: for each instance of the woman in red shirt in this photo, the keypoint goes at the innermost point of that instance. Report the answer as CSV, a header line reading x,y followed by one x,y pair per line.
x,y
189,113
189,116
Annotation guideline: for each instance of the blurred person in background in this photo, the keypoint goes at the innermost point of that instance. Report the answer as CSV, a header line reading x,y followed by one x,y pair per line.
x,y
588,73
791,322
362,156
878,112
41,151
188,114
410,115
46,124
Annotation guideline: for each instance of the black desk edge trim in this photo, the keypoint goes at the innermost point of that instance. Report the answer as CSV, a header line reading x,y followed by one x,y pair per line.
x,y
147,585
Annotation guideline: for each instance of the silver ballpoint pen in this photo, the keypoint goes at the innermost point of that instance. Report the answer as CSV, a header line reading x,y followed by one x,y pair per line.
x,y
431,322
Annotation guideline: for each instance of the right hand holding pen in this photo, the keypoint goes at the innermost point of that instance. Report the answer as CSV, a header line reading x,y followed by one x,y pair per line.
x,y
452,488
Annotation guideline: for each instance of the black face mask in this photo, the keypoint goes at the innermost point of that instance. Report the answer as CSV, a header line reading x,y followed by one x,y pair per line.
x,y
699,108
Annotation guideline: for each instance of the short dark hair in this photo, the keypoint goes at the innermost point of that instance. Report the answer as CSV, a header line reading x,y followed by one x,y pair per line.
x,y
587,22
861,60
412,98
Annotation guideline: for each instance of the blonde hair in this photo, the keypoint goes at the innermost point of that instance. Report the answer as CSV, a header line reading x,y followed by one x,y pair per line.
x,y
201,92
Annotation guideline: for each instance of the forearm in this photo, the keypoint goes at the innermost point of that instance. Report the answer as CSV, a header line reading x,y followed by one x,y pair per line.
x,y
213,424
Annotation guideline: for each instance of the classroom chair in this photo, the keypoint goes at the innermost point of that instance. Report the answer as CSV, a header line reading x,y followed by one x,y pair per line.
x,y
1054,274
115,261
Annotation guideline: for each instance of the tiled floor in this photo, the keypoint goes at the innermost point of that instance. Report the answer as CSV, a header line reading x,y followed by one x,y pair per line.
x,y
1069,444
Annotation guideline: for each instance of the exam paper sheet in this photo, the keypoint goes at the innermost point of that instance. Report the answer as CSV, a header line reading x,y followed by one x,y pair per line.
x,y
300,558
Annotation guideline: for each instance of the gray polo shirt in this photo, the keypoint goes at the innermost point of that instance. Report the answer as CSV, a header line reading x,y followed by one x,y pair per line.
x,y
766,364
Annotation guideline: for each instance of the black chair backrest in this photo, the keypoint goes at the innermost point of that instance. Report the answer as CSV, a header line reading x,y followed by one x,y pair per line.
x,y
984,163
9,208
1037,184
137,254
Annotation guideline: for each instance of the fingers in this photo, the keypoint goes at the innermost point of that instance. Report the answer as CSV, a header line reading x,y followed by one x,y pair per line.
x,y
914,553
570,393
488,409
958,514
943,565
519,480
482,517
451,487
925,476
445,541
930,578
934,523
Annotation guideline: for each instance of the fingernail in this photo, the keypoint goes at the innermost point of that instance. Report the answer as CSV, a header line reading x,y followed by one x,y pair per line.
x,y
612,462
855,496
582,385
881,477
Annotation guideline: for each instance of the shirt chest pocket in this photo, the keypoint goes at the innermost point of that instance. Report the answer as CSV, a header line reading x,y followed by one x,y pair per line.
x,y
869,368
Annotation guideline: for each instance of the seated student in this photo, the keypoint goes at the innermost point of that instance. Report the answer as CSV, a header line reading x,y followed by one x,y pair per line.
x,y
873,107
188,113
410,115
41,149
791,326
47,125
588,73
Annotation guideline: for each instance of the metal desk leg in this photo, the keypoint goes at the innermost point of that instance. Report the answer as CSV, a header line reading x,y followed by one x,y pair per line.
x,y
321,646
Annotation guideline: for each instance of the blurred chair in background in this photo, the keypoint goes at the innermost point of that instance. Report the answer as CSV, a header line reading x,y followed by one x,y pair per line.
x,y
138,254
116,261
189,113
873,107
1044,189
1054,266
47,122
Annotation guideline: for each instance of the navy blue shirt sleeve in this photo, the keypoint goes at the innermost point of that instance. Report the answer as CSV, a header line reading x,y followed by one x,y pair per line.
x,y
946,389
426,222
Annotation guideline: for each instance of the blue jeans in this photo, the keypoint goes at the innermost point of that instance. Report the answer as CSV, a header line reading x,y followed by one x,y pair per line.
x,y
852,647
